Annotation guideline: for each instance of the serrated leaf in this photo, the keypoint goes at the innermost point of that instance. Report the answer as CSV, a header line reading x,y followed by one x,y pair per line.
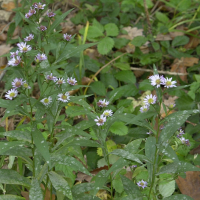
x,y
138,41
179,197
60,184
105,45
9,176
111,29
35,193
98,88
11,197
126,75
167,189
180,40
97,24
119,128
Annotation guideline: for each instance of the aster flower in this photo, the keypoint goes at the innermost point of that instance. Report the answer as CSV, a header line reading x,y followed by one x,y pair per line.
x,y
35,5
67,37
11,94
108,113
17,82
14,61
171,105
25,85
27,15
29,38
32,11
103,103
100,120
40,57
39,6
51,77
144,108
156,80
50,14
150,99
13,54
71,81
46,101
60,81
42,28
168,83
23,47
142,184
64,97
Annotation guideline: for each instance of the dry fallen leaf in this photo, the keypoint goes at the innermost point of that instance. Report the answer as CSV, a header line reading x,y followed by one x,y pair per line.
x,y
194,41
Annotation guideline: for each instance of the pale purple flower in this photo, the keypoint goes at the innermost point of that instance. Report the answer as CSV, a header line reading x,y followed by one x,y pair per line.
x,y
64,97
42,28
23,47
150,99
39,6
67,37
144,108
46,101
27,15
11,94
171,105
14,61
17,82
133,166
50,14
71,81
108,113
13,54
29,37
51,77
100,120
60,81
142,184
103,103
168,83
156,80
35,5
32,11
40,57
149,133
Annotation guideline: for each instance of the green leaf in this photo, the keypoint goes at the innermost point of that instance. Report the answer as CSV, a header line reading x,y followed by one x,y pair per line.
x,y
120,42
118,185
94,32
178,197
41,145
35,193
126,75
122,66
11,197
60,184
145,85
5,146
162,17
167,188
119,128
133,146
4,103
105,45
111,29
180,40
98,88
9,176
138,41
98,25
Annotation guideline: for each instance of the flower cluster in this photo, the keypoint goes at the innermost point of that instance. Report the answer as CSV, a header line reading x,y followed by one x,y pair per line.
x,y
67,37
50,13
102,119
149,99
40,57
182,139
103,103
29,37
32,11
142,184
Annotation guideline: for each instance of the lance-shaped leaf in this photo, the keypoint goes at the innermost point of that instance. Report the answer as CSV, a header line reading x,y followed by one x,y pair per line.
x,y
10,196
60,184
5,146
35,193
69,161
82,188
9,176
179,197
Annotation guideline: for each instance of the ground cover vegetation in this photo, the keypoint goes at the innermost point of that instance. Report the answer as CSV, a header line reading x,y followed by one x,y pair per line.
x,y
108,112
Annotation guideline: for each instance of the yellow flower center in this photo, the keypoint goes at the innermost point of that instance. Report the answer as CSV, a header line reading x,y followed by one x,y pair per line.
x,y
168,83
64,96
12,94
158,81
150,100
18,84
46,101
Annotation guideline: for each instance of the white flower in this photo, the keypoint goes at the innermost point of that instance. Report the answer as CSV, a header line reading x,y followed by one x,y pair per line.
x,y
71,81
102,103
168,83
14,61
46,101
13,54
17,82
11,94
40,57
29,38
100,120
108,113
42,28
67,37
142,184
25,85
32,11
60,81
150,99
51,77
40,6
156,80
23,48
50,13
27,15
144,108
64,97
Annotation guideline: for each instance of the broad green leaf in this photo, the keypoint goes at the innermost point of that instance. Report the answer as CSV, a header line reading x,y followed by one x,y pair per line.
x,y
138,41
119,128
126,75
41,145
133,146
94,32
179,197
9,176
84,142
123,66
111,29
5,146
4,103
167,188
180,40
11,197
105,45
97,24
98,88
60,184
169,152
145,85
118,185
162,17
18,151
35,193
69,161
